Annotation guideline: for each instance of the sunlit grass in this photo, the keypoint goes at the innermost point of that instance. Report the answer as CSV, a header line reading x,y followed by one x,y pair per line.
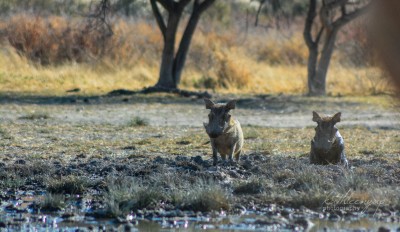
x,y
217,60
24,78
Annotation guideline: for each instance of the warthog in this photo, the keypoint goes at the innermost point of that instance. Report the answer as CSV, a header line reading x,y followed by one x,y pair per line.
x,y
225,132
327,147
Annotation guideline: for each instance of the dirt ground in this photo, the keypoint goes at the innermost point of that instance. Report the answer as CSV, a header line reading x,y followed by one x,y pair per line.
x,y
265,111
119,149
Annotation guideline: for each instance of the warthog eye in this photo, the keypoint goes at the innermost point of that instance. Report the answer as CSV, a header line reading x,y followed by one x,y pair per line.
x,y
227,117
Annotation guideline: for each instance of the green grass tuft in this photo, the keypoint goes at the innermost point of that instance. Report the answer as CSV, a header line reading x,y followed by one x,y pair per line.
x,y
53,202
251,186
68,185
138,122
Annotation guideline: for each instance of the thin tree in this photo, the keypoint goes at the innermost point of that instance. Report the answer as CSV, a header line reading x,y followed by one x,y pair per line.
x,y
333,15
172,62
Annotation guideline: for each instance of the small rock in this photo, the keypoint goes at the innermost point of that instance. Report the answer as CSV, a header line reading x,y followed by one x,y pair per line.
x,y
334,217
305,223
20,161
181,158
158,160
198,159
239,209
233,174
128,227
81,156
285,213
102,228
258,157
255,169
93,162
383,229
180,213
121,167
247,164
68,215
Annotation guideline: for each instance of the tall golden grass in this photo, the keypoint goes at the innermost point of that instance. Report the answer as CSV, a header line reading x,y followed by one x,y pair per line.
x,y
53,54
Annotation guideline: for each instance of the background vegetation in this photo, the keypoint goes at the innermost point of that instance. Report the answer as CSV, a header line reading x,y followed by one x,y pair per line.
x,y
49,47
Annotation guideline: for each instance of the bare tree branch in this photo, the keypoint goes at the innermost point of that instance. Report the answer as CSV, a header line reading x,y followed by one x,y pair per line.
x,y
335,4
203,5
344,19
319,35
311,14
167,4
159,17
181,5
260,6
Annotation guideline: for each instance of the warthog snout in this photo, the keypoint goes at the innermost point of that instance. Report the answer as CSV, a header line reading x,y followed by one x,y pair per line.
x,y
212,133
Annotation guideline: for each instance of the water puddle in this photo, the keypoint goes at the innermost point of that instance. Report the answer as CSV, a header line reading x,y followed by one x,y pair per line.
x,y
22,215
247,222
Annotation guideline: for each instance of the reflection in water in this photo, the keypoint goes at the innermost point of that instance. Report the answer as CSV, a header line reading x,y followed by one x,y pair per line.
x,y
19,215
249,222
361,224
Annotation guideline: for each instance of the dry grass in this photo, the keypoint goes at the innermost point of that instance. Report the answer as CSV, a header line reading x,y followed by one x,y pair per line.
x,y
68,185
72,158
130,194
53,202
48,56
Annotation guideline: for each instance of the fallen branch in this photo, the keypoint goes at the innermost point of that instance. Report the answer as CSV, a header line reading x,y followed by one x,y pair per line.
x,y
149,90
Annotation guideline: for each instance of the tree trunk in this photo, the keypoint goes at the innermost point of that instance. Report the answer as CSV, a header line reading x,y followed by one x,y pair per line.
x,y
312,69
318,64
166,78
172,64
184,47
325,60
318,69
258,13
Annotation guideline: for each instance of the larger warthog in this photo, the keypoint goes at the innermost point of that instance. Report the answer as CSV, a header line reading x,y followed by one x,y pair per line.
x,y
327,147
225,132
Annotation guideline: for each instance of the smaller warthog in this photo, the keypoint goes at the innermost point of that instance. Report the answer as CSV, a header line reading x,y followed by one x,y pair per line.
x,y
327,147
225,132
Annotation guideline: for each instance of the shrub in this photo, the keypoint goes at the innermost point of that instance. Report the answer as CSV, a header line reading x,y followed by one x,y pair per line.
x,y
230,73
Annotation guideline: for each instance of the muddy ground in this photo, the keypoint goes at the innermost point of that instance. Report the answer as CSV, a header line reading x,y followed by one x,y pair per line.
x,y
134,158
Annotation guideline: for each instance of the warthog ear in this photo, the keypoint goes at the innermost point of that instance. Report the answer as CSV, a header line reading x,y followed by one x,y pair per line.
x,y
336,117
230,105
209,103
316,117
